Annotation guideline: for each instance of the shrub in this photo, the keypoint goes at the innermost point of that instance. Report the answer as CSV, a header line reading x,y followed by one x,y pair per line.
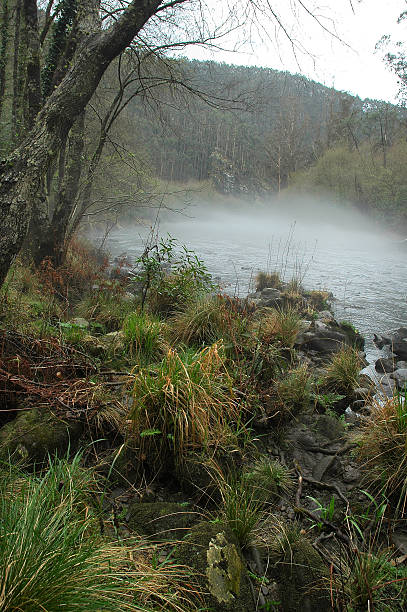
x,y
268,479
207,321
342,375
280,326
264,280
186,402
144,337
382,447
108,306
292,393
51,557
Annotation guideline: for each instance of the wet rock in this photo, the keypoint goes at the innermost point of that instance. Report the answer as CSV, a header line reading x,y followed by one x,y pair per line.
x,y
163,520
351,474
326,316
300,573
385,365
400,376
212,551
79,322
36,434
396,340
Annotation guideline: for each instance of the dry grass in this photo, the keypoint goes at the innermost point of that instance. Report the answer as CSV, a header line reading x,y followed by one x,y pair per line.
x,y
264,280
382,447
185,403
280,326
343,371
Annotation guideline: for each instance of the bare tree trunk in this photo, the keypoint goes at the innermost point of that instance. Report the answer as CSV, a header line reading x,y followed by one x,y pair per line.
x,y
4,36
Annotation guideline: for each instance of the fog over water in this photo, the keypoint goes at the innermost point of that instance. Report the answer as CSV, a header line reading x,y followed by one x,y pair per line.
x,y
333,248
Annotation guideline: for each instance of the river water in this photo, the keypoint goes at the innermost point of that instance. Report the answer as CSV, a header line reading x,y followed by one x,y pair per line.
x,y
363,266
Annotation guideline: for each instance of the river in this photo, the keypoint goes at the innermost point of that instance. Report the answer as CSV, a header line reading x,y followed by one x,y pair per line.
x,y
363,266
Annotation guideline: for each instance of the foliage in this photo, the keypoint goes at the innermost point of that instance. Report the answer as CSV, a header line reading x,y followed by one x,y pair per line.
x,y
107,305
342,373
144,337
268,479
382,447
185,402
170,279
280,325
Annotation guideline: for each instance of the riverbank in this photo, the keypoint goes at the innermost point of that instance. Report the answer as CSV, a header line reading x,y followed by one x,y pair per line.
x,y
214,452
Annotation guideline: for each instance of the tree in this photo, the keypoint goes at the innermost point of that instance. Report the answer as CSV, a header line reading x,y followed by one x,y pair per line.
x,y
72,80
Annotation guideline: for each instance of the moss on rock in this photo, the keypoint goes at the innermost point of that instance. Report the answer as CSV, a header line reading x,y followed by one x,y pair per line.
x,y
163,520
211,550
37,433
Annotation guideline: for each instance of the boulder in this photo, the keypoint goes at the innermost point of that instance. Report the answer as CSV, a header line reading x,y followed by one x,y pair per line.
x,y
35,434
385,365
79,322
163,520
396,340
212,551
400,376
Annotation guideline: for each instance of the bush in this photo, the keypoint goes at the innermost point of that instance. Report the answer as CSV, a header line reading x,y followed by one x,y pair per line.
x,y
207,321
185,403
280,326
144,337
264,280
382,447
343,371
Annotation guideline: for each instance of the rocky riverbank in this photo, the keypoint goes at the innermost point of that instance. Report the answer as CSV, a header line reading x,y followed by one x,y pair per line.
x,y
235,438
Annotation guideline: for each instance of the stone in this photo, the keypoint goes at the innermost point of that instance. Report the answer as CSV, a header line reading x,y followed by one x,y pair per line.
x,y
325,315
385,365
79,322
396,340
400,377
163,520
361,393
401,365
212,551
350,474
36,434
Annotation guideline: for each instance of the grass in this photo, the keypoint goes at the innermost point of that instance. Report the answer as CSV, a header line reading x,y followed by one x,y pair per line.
x,y
144,337
280,325
369,581
186,402
241,510
265,280
382,447
343,371
108,306
292,393
52,557
268,479
208,320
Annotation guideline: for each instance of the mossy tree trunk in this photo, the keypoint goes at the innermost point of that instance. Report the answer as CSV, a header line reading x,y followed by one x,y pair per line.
x,y
21,174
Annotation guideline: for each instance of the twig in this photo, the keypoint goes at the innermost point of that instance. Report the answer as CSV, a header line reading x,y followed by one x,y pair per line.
x,y
318,519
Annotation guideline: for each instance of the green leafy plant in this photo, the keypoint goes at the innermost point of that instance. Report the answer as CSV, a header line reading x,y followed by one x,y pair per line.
x,y
144,337
268,479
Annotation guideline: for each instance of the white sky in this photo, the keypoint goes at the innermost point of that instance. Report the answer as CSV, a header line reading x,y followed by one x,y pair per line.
x,y
358,69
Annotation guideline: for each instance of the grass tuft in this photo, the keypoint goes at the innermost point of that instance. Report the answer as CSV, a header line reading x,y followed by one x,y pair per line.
x,y
144,337
280,326
343,371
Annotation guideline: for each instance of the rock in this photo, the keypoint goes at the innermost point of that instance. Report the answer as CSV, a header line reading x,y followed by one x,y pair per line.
x,y
300,574
35,434
401,365
212,551
385,365
323,341
114,342
396,339
163,520
128,297
270,293
79,322
400,376
325,315
351,474
361,393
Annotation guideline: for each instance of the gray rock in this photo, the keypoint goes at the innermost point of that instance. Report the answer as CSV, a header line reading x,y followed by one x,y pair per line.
x,y
401,365
400,376
385,365
270,293
325,315
397,340
80,322
350,474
